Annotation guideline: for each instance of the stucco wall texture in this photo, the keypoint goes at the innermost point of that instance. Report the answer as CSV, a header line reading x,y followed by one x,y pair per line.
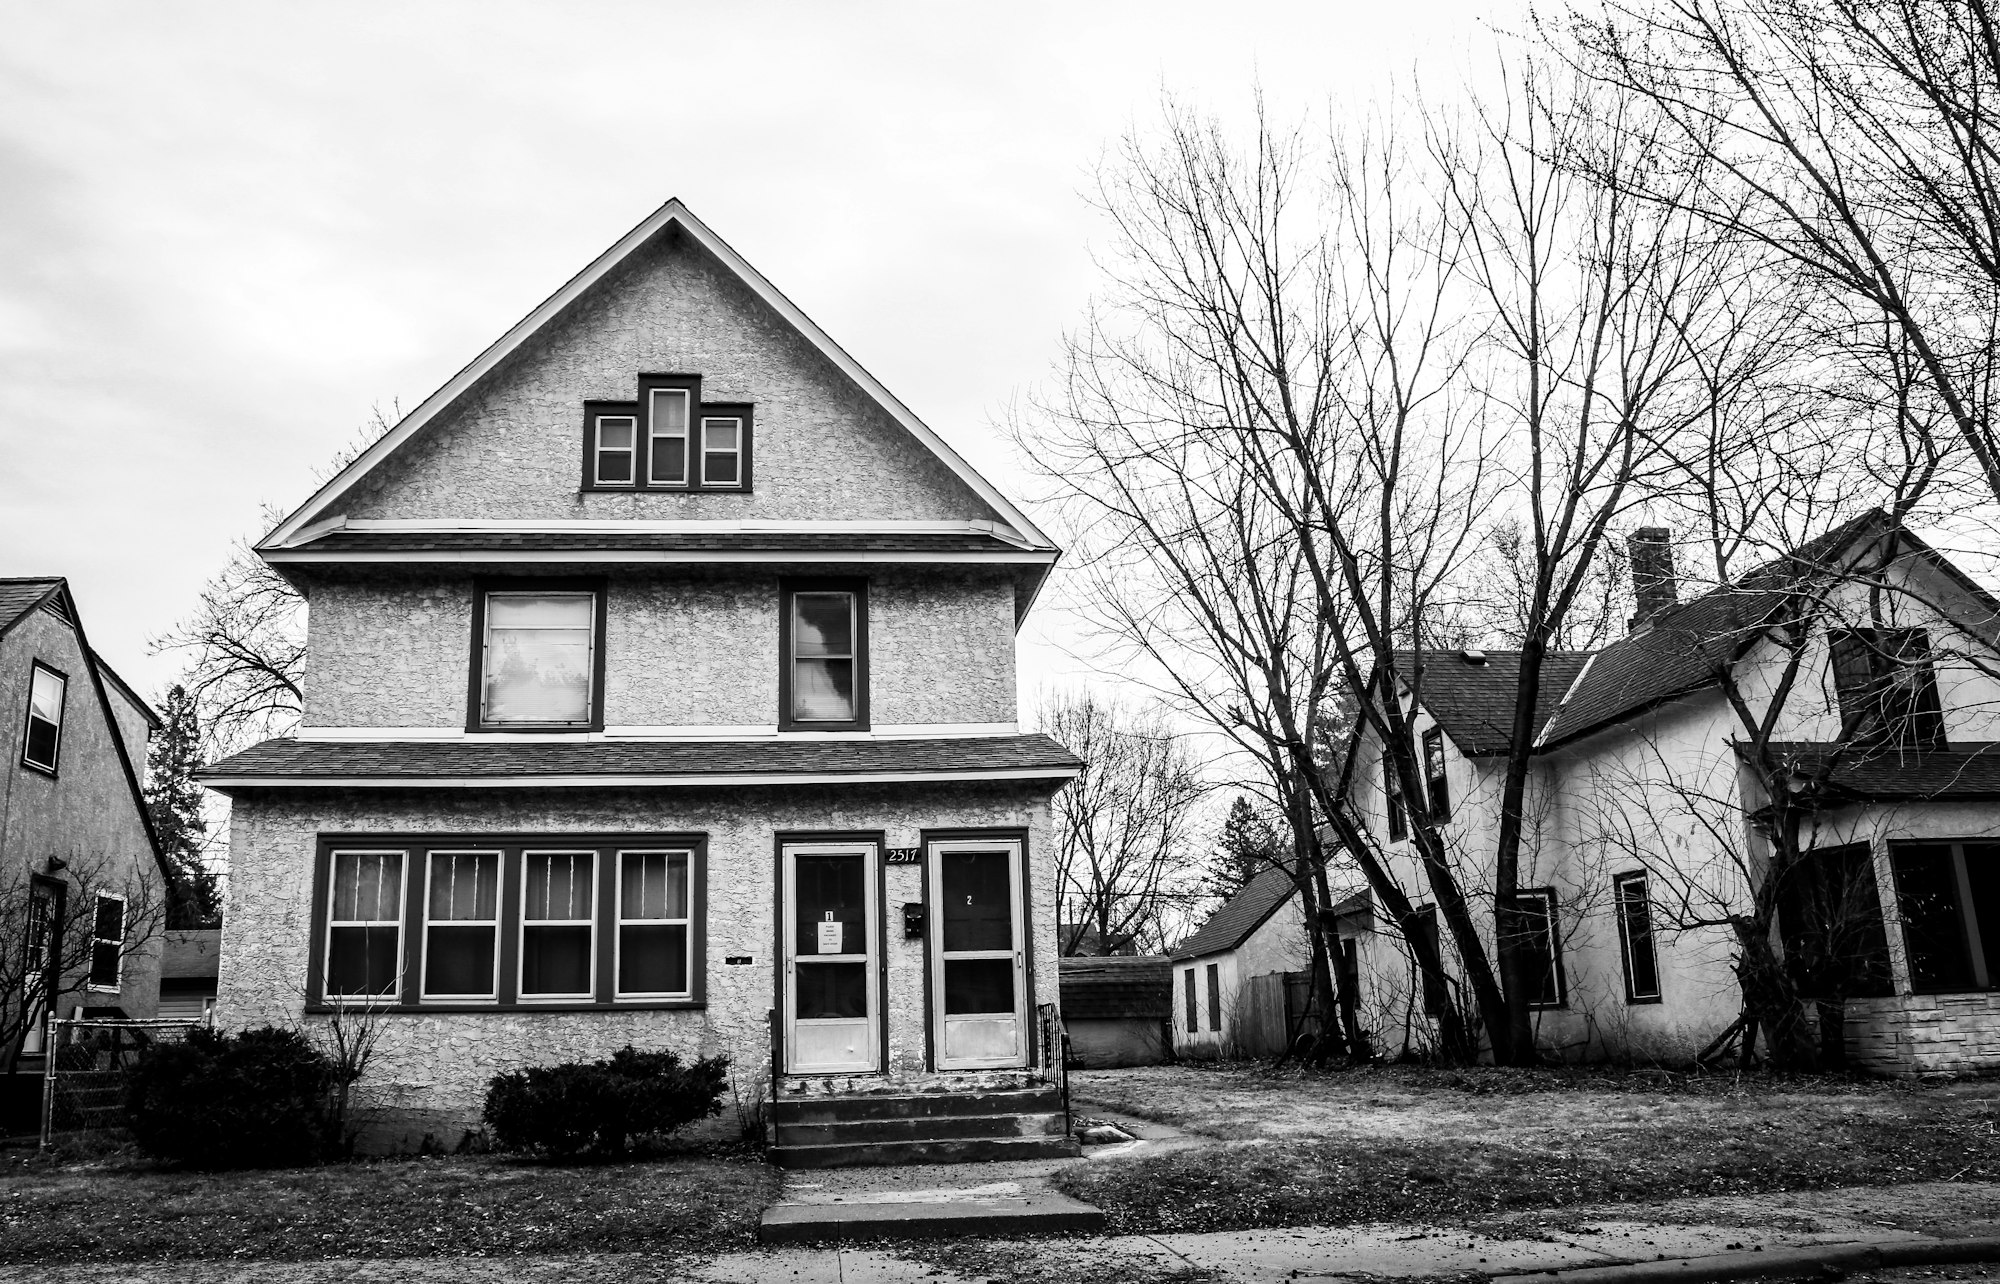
x,y
85,814
430,1071
683,647
823,449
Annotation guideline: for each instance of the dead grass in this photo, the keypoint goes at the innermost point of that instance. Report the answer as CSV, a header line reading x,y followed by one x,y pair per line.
x,y
430,1207
1391,1144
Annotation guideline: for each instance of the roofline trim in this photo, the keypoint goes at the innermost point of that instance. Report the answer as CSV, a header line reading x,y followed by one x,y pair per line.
x,y
671,214
1016,557
632,780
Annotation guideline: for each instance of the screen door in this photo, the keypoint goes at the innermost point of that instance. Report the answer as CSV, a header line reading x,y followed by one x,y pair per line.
x,y
832,1016
978,980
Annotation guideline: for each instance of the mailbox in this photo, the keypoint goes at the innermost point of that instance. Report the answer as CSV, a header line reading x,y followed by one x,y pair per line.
x,y
913,920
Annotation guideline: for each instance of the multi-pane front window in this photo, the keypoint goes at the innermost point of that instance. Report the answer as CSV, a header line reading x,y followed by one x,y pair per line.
x,y
107,942
548,920
653,924
364,941
43,739
667,431
824,667
538,659
558,924
462,926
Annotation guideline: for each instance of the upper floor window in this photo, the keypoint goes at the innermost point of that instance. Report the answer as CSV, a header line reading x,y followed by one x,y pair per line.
x,y
1887,689
1392,794
42,740
538,657
668,439
823,685
1434,777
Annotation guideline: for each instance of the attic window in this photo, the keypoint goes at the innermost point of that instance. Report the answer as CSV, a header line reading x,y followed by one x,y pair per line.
x,y
667,439
43,741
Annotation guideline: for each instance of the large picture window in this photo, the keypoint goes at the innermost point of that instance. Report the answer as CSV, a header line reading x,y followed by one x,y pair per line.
x,y
1948,895
538,659
41,743
475,921
824,682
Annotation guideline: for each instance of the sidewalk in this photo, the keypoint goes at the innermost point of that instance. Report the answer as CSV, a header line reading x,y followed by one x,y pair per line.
x,y
1628,1244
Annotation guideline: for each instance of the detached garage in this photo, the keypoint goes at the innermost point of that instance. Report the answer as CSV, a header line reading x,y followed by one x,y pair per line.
x,y
1117,1010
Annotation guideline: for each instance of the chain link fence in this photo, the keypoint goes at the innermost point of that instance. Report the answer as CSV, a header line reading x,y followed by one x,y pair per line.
x,y
84,1079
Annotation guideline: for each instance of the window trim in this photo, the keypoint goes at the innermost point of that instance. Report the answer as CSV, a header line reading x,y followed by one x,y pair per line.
x,y
1437,788
475,704
650,397
407,996
640,411
1619,884
742,412
1547,895
28,718
1394,801
790,588
595,416
618,921
594,900
323,916
497,923
91,983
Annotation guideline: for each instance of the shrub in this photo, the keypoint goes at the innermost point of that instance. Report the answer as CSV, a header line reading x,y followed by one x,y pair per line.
x,y
255,1099
600,1107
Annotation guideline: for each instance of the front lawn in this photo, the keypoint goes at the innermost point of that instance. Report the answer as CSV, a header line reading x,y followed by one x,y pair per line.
x,y
1399,1145
452,1206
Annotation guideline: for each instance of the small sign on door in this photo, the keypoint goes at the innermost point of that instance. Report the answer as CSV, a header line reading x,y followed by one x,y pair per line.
x,y
829,935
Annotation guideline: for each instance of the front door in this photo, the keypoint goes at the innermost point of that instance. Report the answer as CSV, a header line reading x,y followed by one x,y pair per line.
x,y
979,963
833,1018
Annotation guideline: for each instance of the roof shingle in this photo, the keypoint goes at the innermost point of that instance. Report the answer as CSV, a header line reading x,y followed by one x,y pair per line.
x,y
414,762
1965,772
1474,702
1240,915
1120,986
607,541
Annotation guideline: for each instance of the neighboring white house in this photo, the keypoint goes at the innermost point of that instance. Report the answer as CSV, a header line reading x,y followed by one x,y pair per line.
x,y
1643,827
1259,932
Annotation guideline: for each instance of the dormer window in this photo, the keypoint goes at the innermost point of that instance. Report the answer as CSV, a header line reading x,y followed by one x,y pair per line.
x,y
667,440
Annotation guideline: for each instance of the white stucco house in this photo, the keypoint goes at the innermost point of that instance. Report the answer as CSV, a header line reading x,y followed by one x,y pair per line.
x,y
1867,668
1257,933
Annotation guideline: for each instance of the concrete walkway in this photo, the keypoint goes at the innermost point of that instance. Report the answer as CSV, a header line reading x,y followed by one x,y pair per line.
x,y
1672,1243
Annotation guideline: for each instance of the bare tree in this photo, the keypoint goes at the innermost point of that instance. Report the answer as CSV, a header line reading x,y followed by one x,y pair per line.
x,y
245,641
1123,828
56,943
1474,332
1856,141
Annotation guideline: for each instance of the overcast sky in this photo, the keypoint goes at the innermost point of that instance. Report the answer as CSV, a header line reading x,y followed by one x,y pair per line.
x,y
228,231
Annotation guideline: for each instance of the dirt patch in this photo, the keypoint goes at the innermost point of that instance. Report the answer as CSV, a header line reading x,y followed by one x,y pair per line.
x,y
1465,1147
396,1208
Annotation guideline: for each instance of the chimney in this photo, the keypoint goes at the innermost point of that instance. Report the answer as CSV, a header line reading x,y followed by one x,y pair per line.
x,y
1652,552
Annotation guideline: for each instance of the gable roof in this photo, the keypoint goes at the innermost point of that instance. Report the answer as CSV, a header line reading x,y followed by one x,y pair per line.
x,y
1686,648
672,215
20,596
1474,701
1241,914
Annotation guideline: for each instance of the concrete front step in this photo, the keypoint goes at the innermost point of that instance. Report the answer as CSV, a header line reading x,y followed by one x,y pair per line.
x,y
986,1215
920,1128
954,1150
848,1108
